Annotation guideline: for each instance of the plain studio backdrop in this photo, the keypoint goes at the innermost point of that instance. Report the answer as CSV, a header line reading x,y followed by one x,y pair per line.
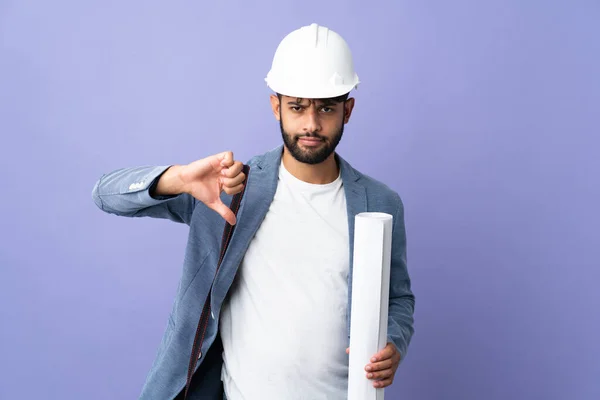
x,y
483,116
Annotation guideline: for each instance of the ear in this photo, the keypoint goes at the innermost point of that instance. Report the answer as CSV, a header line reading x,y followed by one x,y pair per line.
x,y
348,107
275,105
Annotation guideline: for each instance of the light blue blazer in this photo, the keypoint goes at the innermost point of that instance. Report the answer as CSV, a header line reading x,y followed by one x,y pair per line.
x,y
125,192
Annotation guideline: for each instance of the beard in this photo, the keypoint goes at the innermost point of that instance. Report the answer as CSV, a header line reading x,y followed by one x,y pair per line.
x,y
310,155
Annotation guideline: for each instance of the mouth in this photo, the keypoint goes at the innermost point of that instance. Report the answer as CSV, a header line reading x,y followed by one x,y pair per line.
x,y
310,141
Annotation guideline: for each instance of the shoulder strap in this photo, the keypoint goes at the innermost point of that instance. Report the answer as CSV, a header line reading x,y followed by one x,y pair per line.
x,y
204,317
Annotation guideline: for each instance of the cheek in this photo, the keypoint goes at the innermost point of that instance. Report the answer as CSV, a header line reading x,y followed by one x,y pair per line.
x,y
292,124
331,125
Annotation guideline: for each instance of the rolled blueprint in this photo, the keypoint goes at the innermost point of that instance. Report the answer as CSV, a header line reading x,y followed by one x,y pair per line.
x,y
370,296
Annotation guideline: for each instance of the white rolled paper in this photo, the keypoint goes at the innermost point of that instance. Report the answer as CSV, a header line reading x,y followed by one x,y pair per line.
x,y
370,296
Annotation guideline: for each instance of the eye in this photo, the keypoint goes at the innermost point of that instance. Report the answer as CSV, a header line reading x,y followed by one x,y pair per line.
x,y
296,108
327,110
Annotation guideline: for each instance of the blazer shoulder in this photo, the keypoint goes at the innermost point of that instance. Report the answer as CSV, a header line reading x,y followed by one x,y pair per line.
x,y
380,190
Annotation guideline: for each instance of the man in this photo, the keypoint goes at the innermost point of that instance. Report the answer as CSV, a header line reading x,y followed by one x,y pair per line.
x,y
280,302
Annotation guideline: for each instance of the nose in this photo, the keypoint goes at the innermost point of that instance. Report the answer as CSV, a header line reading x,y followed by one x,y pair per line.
x,y
313,122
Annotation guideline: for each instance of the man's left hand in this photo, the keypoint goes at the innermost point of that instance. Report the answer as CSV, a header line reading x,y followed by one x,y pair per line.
x,y
383,366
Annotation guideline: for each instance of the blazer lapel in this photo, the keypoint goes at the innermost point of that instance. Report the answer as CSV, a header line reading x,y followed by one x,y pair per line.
x,y
261,185
356,202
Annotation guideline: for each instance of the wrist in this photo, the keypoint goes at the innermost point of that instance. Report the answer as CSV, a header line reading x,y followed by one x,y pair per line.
x,y
171,182
178,179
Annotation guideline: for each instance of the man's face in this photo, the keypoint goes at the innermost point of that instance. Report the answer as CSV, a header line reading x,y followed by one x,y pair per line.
x,y
311,128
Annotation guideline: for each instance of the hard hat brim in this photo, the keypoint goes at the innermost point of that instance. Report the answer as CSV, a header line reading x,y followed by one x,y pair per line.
x,y
311,93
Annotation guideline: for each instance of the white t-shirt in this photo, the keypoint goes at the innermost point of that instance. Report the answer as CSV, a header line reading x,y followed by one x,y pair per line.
x,y
284,324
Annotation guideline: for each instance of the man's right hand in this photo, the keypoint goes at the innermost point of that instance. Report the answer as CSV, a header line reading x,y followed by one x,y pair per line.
x,y
205,179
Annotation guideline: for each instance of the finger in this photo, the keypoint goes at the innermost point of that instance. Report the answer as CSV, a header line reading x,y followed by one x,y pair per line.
x,y
224,211
226,159
383,383
380,366
348,350
387,352
232,182
233,170
385,374
233,190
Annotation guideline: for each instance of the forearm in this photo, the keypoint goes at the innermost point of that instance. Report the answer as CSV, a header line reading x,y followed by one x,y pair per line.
x,y
401,320
402,299
126,192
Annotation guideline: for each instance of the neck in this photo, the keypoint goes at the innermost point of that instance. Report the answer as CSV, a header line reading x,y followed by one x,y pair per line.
x,y
319,174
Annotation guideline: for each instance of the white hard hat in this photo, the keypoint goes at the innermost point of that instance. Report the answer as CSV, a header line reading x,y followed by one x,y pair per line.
x,y
312,62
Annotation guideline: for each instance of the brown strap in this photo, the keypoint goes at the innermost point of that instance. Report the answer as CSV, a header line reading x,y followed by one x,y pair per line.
x,y
204,317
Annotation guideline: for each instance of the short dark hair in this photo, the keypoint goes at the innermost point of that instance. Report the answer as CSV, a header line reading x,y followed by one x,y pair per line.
x,y
337,99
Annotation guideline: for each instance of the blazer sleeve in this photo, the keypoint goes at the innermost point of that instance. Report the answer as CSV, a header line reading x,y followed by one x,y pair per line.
x,y
402,299
126,192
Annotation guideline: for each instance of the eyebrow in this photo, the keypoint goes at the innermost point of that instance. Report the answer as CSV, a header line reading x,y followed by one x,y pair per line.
x,y
323,104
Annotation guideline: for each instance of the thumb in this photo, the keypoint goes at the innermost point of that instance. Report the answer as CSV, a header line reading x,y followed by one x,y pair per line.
x,y
224,211
348,350
226,159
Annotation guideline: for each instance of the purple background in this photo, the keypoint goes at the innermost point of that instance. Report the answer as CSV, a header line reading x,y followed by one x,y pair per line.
x,y
483,115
